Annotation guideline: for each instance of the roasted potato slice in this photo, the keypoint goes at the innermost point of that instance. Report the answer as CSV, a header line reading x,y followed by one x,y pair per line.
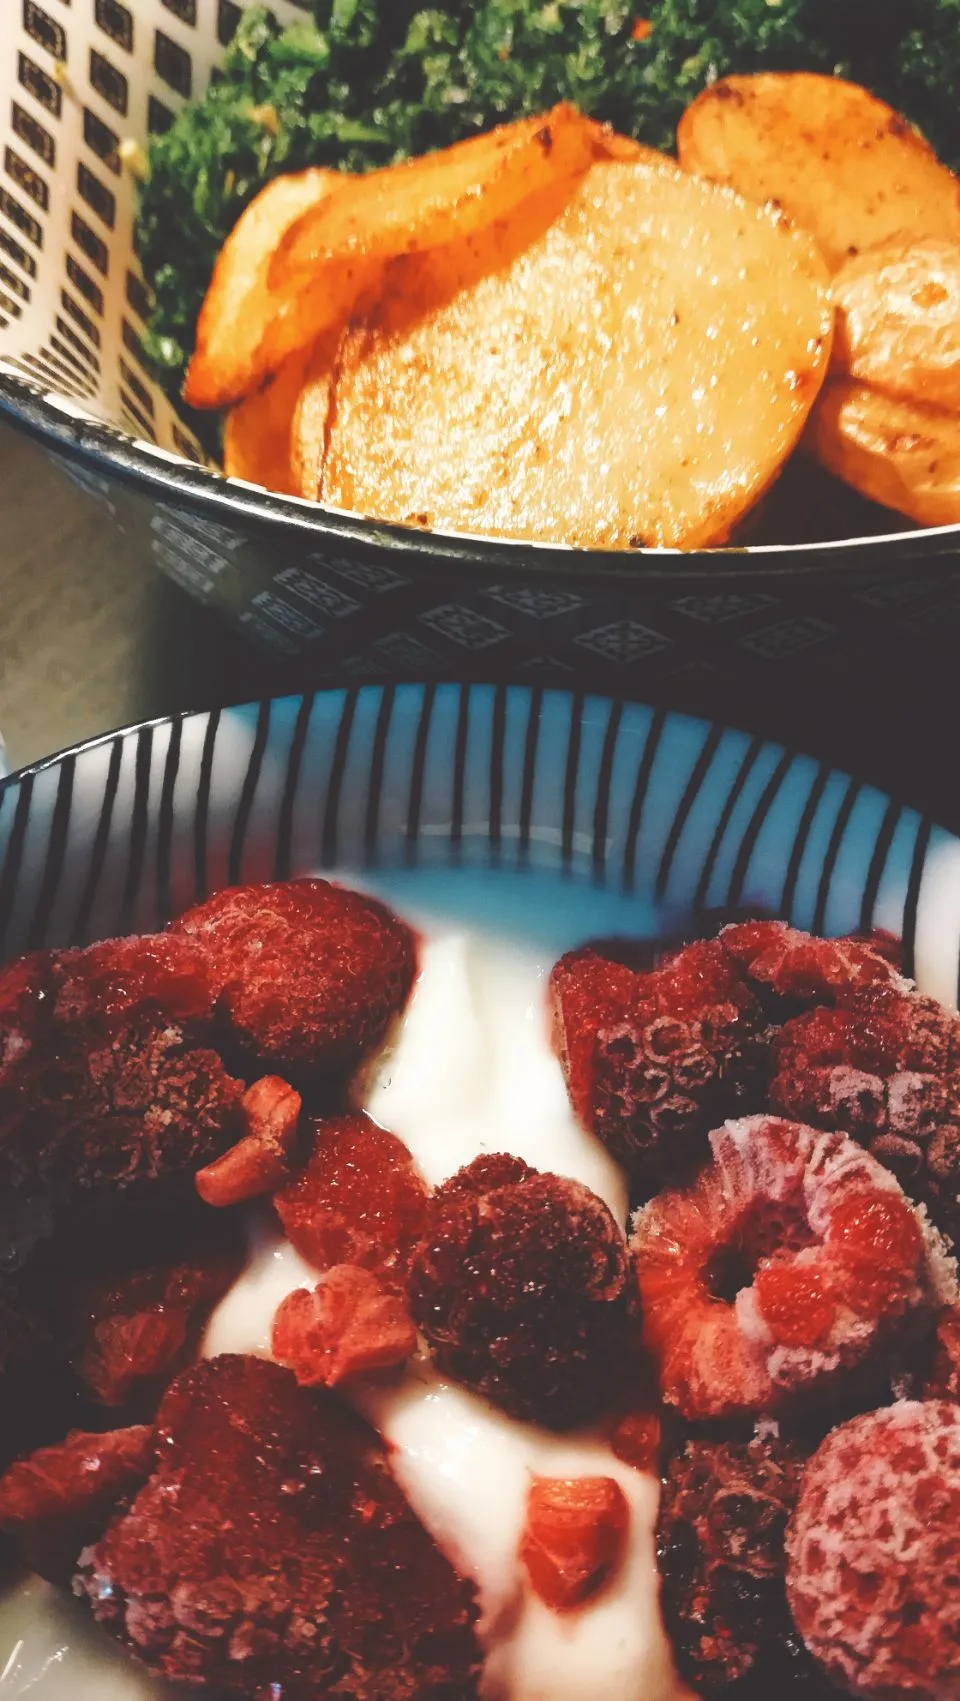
x,y
898,320
258,436
898,453
239,305
630,362
311,417
438,197
838,161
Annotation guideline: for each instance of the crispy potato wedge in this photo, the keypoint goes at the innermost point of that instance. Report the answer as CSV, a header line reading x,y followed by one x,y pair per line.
x,y
898,453
898,320
239,306
838,161
258,435
630,362
439,197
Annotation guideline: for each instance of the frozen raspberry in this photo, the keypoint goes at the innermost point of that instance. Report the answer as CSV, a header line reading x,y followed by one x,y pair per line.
x,y
348,1325
522,1290
720,1550
802,968
792,1260
106,1083
54,1502
574,1538
873,1552
308,975
653,1060
885,1067
128,1297
359,1199
272,1553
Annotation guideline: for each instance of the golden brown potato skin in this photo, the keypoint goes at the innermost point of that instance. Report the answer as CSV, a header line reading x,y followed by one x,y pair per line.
x,y
840,162
898,320
629,361
899,453
257,439
239,307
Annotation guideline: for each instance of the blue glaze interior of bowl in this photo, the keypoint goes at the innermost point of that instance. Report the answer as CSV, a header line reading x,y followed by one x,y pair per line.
x,y
452,798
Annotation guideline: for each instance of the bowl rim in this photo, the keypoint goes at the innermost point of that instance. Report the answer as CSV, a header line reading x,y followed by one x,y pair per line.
x,y
66,428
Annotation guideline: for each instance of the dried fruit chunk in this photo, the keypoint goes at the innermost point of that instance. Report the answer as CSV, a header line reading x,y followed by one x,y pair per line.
x,y
574,1538
272,1552
792,1261
884,1067
358,1200
261,1161
837,160
106,1083
521,1288
347,1326
873,1552
54,1502
720,1551
308,975
653,1060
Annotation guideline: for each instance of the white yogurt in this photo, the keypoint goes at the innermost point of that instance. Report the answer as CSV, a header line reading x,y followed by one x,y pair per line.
x,y
470,1071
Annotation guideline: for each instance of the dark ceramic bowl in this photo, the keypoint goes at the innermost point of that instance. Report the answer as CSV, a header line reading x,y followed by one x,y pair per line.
x,y
341,595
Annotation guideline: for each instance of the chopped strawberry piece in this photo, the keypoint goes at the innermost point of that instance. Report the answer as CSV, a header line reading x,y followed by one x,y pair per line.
x,y
358,1200
795,1303
574,1538
347,1326
308,975
53,1502
261,1161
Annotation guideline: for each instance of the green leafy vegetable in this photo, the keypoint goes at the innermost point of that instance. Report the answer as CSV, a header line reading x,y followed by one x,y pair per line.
x,y
370,81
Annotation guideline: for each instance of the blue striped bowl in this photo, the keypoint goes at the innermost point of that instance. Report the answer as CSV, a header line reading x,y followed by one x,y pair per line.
x,y
536,810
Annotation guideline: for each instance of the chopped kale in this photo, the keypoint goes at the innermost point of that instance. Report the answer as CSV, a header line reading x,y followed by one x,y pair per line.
x,y
370,81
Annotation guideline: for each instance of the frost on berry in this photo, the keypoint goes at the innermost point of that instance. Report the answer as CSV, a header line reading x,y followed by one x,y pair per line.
x,y
308,976
873,1572
574,1538
885,1067
720,1551
107,1080
792,1261
359,1198
59,1498
348,1325
654,1060
271,1552
522,1291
